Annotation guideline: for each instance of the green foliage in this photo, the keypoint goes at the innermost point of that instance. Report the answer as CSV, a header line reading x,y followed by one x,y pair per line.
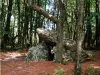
x,y
92,71
92,14
34,42
59,71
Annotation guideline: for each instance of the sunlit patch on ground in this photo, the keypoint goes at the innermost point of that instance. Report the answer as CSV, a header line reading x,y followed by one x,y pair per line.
x,y
10,56
95,66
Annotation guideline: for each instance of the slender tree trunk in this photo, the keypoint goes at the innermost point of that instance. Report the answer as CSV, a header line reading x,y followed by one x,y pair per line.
x,y
58,56
79,20
31,27
2,23
25,28
88,35
7,28
37,23
19,26
22,25
97,26
2,15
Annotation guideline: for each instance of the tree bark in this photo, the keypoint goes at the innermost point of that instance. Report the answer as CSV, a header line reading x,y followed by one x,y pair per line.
x,y
7,28
31,27
88,35
2,21
2,16
97,26
58,57
19,26
26,24
79,21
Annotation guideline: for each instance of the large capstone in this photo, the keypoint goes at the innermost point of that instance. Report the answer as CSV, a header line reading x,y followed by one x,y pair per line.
x,y
38,53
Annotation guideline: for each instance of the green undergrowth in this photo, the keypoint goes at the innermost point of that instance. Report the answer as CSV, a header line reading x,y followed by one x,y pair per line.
x,y
92,71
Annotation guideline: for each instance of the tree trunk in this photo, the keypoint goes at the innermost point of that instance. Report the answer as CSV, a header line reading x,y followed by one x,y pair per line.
x,y
2,23
88,35
2,15
31,27
25,28
58,56
19,26
79,21
7,28
97,26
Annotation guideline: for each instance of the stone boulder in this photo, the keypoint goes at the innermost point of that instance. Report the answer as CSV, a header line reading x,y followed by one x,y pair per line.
x,y
38,53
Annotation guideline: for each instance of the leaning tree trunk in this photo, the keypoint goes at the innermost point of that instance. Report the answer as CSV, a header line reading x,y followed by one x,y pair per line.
x,y
79,21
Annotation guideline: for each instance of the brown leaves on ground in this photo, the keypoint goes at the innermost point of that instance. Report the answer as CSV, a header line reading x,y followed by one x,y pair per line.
x,y
12,63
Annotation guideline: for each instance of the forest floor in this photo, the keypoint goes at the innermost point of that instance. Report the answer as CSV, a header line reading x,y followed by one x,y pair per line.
x,y
12,63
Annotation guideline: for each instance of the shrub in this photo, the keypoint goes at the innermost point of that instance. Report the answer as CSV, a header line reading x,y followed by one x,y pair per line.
x,y
59,71
92,71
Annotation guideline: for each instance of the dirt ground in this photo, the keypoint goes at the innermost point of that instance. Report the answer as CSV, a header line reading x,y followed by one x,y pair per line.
x,y
12,63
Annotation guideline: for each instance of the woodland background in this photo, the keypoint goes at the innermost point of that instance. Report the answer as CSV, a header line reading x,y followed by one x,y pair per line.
x,y
78,20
